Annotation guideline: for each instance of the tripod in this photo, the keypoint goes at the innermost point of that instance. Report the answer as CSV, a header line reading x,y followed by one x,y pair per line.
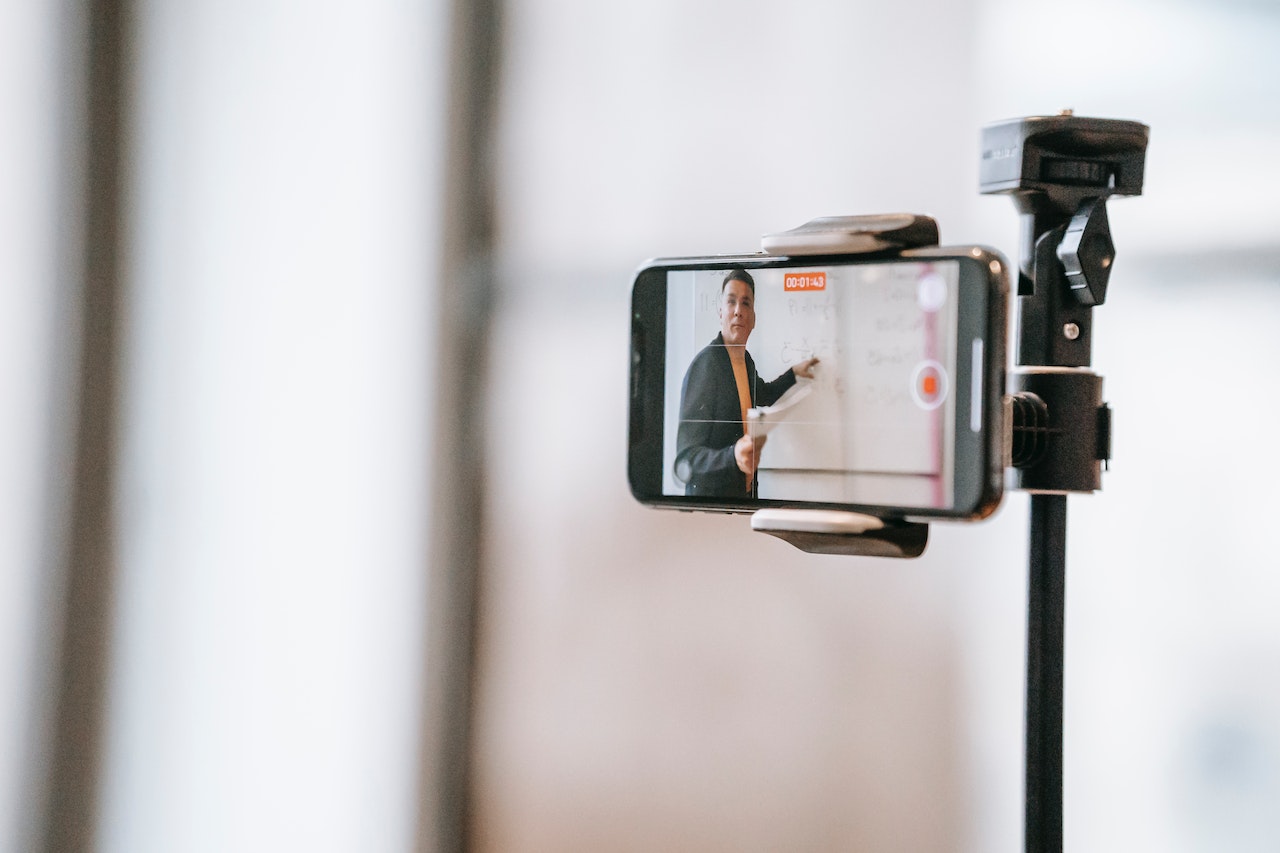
x,y
1060,171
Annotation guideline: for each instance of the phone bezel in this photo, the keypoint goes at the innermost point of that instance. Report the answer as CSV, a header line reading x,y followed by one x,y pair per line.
x,y
978,471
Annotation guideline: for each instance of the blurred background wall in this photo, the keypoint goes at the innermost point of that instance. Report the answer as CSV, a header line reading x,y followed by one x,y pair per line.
x,y
646,680
264,577
672,681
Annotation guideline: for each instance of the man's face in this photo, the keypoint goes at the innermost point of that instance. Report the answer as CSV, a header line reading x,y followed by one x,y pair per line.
x,y
737,312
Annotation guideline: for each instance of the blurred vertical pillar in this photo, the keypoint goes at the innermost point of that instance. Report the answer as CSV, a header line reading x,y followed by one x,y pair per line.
x,y
95,130
457,492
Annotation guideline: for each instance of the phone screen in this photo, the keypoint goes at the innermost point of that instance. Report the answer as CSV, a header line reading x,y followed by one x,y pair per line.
x,y
855,384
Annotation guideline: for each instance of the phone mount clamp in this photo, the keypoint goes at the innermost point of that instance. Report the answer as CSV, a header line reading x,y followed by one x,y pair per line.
x,y
832,531
1060,171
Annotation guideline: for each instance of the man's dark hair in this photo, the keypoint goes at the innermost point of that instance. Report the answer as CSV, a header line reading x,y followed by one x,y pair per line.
x,y
739,275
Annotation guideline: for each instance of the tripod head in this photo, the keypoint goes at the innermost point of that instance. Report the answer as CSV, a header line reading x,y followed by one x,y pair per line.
x,y
1060,171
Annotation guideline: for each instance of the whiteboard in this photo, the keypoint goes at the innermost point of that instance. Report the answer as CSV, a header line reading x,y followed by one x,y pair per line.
x,y
884,335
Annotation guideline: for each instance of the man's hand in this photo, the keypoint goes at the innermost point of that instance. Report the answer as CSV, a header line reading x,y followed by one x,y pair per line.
x,y
804,370
747,453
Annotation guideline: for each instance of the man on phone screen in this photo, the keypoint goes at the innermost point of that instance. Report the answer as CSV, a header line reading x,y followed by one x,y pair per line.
x,y
715,455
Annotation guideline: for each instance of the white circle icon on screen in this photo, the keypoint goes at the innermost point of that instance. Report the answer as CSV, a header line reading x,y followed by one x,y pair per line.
x,y
929,385
931,291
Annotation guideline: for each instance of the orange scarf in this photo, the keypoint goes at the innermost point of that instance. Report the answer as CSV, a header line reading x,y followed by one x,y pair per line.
x,y
744,394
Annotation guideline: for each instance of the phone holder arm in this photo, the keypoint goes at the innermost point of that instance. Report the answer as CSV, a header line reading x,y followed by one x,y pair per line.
x,y
854,235
836,531
821,531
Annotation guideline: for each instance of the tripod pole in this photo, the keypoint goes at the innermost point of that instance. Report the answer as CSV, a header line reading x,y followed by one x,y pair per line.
x,y
1045,639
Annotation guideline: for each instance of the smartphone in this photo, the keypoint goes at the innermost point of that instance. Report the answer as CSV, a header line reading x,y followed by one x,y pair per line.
x,y
869,384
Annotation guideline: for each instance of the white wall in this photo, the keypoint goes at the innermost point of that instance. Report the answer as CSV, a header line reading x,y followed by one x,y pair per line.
x,y
286,174
29,309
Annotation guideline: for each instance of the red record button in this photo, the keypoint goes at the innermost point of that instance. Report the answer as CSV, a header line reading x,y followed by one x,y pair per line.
x,y
929,385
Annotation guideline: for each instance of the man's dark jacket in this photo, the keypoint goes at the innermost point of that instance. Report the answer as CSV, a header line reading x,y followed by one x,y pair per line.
x,y
711,421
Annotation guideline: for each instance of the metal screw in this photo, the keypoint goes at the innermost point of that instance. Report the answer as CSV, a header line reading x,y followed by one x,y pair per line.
x,y
1071,331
